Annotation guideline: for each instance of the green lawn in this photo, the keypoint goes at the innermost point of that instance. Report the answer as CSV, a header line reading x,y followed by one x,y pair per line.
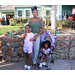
x,y
5,29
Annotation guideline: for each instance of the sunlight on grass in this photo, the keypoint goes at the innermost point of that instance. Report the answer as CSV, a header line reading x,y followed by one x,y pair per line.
x,y
5,29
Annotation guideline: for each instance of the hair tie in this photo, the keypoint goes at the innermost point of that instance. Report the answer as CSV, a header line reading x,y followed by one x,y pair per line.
x,y
26,24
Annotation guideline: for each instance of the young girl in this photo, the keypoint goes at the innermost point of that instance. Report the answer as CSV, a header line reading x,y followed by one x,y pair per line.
x,y
27,47
45,52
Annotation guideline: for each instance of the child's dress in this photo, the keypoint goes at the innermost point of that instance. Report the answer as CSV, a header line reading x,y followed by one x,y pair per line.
x,y
44,52
28,44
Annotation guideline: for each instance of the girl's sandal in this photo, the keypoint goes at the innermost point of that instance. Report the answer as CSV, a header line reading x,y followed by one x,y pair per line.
x,y
29,67
25,67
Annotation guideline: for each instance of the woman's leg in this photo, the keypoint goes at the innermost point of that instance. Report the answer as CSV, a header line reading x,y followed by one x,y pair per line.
x,y
36,45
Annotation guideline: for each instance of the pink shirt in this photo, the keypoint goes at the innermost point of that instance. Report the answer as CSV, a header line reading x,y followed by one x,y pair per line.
x,y
46,51
28,43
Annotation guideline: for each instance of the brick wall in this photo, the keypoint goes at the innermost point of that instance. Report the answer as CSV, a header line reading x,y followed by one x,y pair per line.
x,y
12,50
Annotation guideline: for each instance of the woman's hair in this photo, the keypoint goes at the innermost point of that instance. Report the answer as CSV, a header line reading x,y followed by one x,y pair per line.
x,y
34,8
46,42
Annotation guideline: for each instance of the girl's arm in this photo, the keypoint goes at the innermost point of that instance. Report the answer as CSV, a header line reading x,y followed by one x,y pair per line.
x,y
24,36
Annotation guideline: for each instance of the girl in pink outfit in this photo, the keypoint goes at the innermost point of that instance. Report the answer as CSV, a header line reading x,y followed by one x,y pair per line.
x,y
27,46
45,52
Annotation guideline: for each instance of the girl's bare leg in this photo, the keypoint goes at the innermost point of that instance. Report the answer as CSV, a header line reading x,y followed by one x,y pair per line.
x,y
46,58
29,59
42,58
26,58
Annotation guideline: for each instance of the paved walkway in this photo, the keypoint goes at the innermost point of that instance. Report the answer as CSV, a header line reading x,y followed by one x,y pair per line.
x,y
59,64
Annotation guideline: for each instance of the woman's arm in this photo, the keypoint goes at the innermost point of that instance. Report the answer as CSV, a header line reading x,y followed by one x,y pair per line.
x,y
28,20
42,29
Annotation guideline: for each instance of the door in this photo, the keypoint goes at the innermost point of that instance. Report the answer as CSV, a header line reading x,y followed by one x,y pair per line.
x,y
8,16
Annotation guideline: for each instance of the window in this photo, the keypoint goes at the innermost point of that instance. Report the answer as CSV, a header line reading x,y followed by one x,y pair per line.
x,y
27,13
48,12
19,13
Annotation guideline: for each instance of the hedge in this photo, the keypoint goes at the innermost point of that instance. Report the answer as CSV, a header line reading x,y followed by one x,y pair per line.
x,y
63,23
59,23
15,21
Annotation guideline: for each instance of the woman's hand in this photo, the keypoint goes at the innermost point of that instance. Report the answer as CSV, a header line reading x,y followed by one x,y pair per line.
x,y
35,36
32,39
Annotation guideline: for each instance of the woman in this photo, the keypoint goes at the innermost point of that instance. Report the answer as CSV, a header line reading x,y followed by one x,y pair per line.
x,y
36,24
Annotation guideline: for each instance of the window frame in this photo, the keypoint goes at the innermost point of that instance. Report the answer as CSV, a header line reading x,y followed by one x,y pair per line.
x,y
47,9
25,13
17,13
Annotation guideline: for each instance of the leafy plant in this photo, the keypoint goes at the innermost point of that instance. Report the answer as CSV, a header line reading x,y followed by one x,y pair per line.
x,y
64,23
17,22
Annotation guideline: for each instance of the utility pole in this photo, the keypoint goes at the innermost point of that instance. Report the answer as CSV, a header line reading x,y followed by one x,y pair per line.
x,y
53,18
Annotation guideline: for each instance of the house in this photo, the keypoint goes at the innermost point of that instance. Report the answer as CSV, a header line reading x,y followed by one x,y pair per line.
x,y
24,11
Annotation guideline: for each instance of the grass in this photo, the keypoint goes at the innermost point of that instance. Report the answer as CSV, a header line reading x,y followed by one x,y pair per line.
x,y
47,27
5,29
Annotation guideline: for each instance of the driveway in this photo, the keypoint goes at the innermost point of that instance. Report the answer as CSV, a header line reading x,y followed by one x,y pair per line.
x,y
58,64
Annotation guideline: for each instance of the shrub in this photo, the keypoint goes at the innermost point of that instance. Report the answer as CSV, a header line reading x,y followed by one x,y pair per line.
x,y
15,21
64,23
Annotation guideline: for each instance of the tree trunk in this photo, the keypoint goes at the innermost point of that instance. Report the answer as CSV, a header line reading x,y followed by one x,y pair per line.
x,y
53,18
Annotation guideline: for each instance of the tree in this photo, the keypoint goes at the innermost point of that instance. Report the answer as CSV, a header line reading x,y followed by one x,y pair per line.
x,y
46,18
0,6
53,18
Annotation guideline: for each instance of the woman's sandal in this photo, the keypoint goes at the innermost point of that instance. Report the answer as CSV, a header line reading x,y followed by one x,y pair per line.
x,y
33,67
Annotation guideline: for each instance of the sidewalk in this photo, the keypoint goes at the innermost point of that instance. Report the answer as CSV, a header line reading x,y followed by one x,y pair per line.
x,y
59,64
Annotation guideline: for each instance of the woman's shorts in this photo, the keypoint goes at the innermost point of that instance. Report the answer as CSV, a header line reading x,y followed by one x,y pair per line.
x,y
27,50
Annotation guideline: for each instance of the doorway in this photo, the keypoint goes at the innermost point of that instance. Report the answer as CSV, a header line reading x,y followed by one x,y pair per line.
x,y
9,16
